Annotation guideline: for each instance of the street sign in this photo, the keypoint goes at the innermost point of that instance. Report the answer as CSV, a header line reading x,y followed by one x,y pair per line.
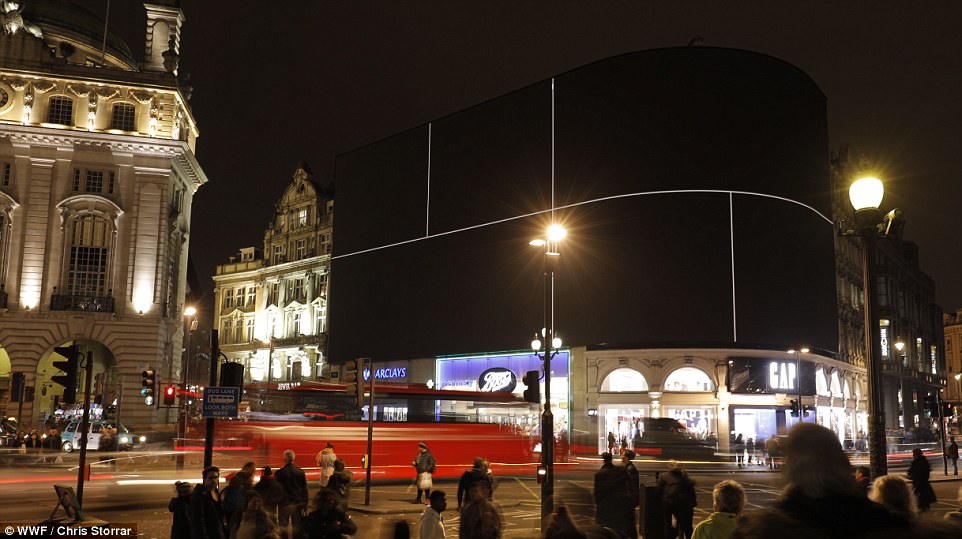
x,y
221,401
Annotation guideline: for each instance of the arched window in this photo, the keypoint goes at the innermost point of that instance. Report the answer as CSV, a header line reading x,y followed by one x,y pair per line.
x,y
89,252
836,385
123,116
688,379
821,385
60,110
624,380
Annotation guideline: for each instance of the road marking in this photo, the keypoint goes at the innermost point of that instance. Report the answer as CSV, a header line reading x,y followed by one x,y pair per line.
x,y
533,495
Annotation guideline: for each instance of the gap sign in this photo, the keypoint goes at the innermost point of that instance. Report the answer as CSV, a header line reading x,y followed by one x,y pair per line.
x,y
221,401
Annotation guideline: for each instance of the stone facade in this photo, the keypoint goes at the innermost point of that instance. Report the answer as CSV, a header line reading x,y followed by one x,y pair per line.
x,y
97,176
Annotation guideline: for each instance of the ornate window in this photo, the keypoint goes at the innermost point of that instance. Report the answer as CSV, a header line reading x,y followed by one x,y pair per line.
x,y
227,331
60,110
249,330
229,298
6,174
123,116
688,379
94,181
90,238
251,295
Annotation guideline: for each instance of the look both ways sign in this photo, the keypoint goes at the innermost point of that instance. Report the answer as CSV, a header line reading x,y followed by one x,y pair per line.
x,y
221,401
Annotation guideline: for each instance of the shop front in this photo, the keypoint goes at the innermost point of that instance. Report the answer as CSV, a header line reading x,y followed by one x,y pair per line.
x,y
503,373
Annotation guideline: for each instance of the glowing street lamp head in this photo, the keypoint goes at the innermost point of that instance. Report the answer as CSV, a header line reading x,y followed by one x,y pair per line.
x,y
190,311
866,193
556,232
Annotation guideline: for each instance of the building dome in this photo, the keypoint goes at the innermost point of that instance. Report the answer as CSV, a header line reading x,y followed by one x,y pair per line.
x,y
63,20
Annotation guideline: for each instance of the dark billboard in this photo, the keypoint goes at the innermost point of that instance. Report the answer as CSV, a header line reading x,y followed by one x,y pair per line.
x,y
694,183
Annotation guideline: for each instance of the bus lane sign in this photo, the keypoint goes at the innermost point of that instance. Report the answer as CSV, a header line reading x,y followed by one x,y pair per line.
x,y
221,401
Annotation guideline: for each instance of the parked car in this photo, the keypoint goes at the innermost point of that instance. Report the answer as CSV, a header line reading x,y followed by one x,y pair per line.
x,y
126,440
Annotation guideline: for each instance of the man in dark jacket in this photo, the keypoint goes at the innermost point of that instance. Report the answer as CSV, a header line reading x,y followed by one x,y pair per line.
x,y
633,489
611,496
677,501
206,517
919,472
477,474
180,507
270,491
294,482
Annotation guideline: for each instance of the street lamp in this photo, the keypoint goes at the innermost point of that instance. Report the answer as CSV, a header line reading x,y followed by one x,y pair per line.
x,y
899,347
551,344
190,325
866,194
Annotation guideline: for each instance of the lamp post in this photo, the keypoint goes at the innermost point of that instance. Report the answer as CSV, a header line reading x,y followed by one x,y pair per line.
x,y
270,364
190,325
865,194
551,344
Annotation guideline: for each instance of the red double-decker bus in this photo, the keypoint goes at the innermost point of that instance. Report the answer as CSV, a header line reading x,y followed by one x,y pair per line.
x,y
457,426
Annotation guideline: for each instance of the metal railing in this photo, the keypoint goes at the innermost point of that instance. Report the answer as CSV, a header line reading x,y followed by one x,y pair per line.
x,y
82,302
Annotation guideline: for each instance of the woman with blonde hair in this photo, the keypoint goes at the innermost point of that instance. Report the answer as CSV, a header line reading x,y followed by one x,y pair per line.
x,y
896,495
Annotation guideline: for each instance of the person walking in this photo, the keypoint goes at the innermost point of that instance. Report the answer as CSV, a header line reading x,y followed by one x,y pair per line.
x,y
340,483
271,492
206,516
774,451
953,454
739,447
477,474
611,442
294,483
728,500
180,506
633,489
234,502
480,517
424,465
611,496
750,449
325,461
919,471
560,526
256,522
328,520
677,501
432,524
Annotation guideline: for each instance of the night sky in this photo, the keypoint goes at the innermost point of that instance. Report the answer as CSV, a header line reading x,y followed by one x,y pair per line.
x,y
280,82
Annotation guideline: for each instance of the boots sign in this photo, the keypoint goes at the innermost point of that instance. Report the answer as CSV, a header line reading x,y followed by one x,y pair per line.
x,y
497,379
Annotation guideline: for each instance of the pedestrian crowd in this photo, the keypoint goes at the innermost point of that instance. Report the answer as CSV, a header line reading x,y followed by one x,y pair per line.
x,y
821,498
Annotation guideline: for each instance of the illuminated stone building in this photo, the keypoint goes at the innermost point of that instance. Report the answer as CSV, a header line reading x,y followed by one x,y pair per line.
x,y
952,327
910,323
97,176
271,308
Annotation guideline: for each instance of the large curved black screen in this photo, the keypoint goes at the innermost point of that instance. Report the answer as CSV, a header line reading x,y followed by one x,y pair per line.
x,y
694,184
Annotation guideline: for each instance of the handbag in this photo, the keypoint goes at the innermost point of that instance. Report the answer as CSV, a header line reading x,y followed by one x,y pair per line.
x,y
424,481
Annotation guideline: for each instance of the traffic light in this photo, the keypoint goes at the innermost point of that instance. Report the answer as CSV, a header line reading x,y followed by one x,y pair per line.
x,y
532,392
354,378
17,380
948,409
807,410
170,395
795,407
149,386
69,365
928,406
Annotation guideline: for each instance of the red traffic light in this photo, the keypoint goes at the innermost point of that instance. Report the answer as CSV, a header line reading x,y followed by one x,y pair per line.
x,y
170,393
